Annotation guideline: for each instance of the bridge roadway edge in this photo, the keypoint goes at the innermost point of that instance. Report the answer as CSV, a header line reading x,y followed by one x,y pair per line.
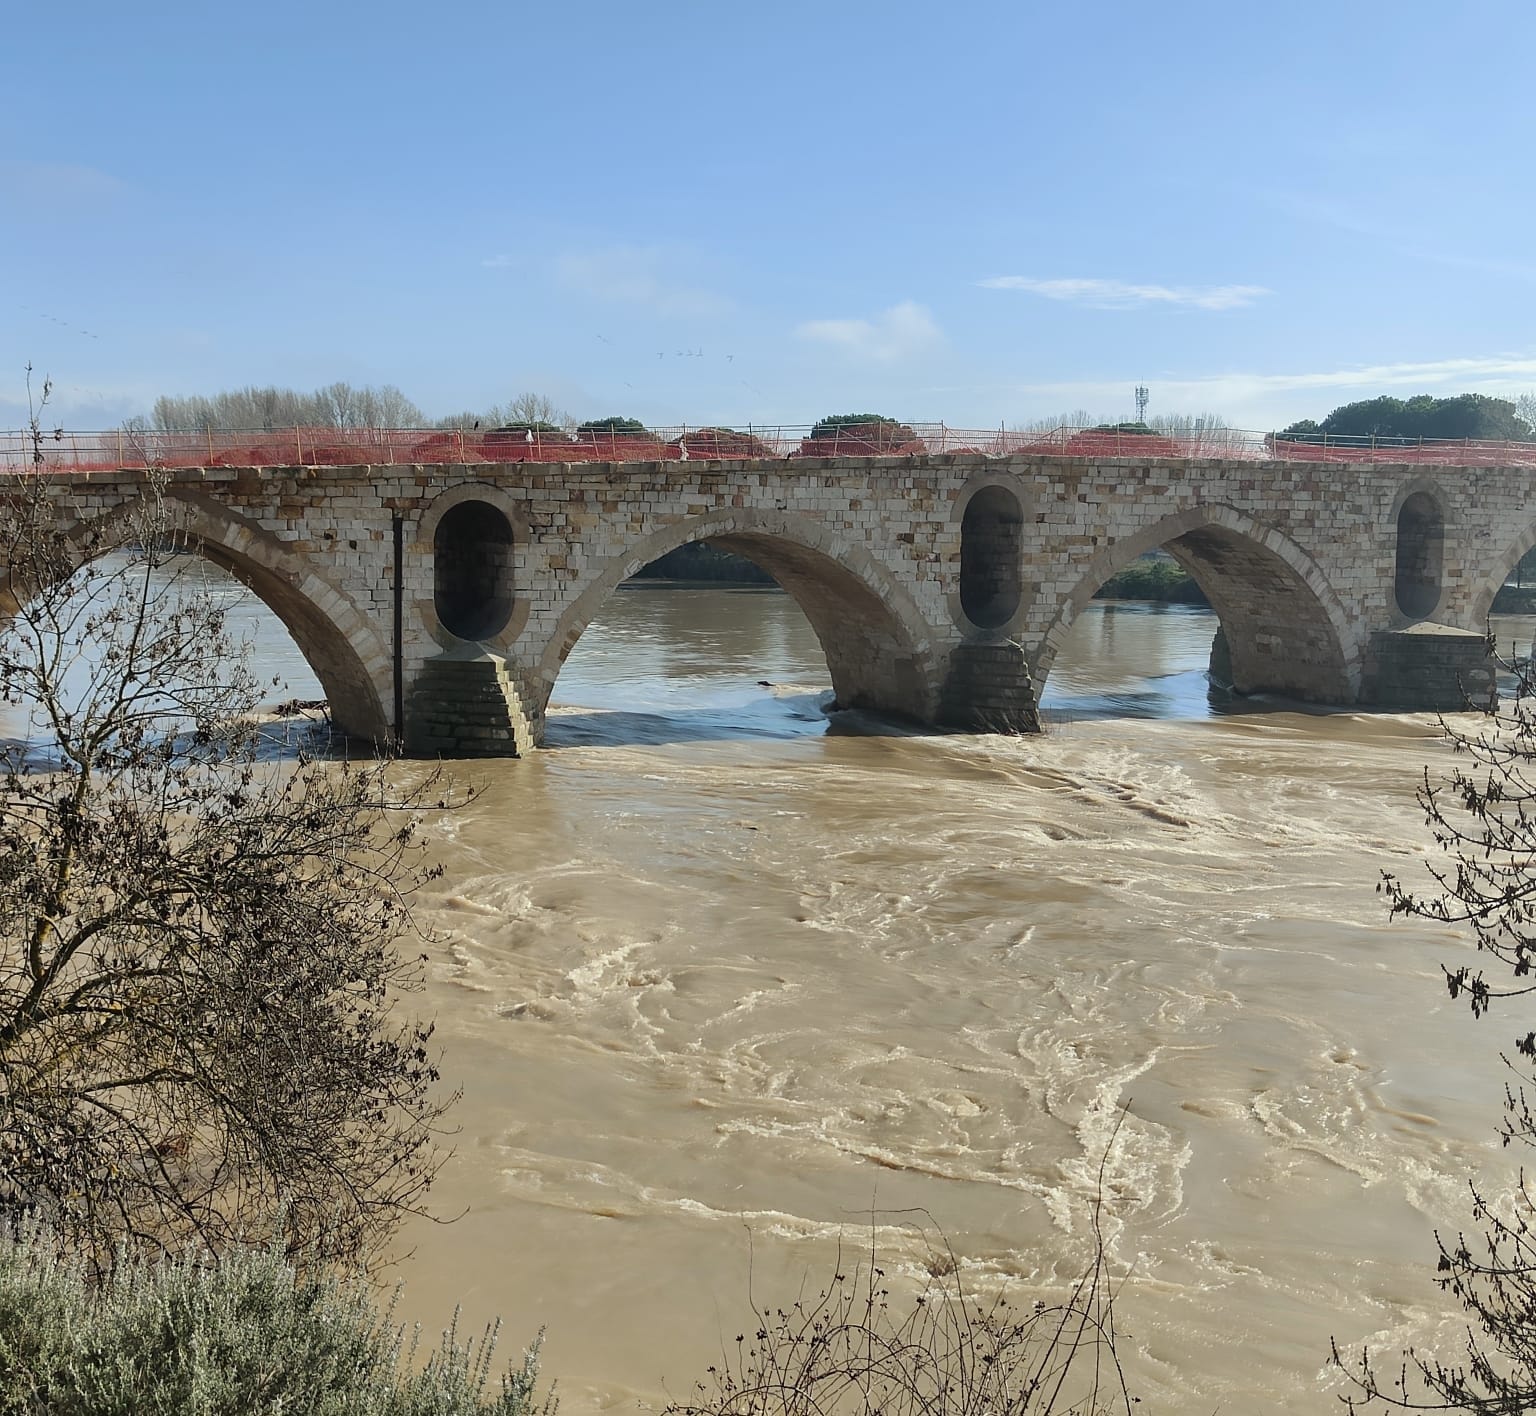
x,y
884,554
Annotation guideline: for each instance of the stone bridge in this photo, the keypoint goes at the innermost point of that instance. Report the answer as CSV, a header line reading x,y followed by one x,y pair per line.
x,y
436,604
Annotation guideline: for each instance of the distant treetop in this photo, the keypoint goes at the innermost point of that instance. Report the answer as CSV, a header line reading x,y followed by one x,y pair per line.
x,y
875,427
623,427
338,405
1468,415
536,425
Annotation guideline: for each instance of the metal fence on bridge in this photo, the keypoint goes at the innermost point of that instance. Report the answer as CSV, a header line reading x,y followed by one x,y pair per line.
x,y
58,450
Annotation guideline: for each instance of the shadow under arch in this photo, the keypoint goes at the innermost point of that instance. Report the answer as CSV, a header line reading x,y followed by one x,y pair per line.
x,y
874,637
339,643
1286,631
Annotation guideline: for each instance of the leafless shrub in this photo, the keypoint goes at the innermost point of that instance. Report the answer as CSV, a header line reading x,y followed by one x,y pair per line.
x,y
1482,817
855,1349
201,1036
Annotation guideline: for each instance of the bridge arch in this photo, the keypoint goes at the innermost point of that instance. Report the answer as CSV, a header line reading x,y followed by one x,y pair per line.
x,y
1286,628
339,643
1499,568
877,644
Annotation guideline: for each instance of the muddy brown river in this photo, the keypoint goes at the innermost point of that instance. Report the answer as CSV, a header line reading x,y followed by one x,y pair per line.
x,y
721,980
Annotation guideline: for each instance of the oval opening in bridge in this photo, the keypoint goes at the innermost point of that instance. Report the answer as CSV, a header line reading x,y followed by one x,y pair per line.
x,y
991,547
1420,548
472,570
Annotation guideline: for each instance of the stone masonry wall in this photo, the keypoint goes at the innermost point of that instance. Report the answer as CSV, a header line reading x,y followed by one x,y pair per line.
x,y
871,546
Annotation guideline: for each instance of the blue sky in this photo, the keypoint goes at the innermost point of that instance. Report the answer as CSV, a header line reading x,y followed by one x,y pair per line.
x,y
687,212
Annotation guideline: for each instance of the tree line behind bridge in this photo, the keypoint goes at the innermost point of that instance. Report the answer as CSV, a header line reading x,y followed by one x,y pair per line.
x,y
342,405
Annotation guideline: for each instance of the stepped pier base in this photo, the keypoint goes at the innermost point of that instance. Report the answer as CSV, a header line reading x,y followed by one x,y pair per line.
x,y
467,705
989,690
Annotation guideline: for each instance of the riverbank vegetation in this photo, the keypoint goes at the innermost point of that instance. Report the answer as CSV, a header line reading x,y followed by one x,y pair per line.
x,y
855,1348
204,1037
1154,578
707,564
251,1334
1514,600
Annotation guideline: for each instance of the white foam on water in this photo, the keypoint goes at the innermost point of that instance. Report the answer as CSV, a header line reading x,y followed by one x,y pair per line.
x,y
725,981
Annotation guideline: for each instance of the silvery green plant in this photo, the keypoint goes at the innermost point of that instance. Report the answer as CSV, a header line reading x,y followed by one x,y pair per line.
x,y
249,1336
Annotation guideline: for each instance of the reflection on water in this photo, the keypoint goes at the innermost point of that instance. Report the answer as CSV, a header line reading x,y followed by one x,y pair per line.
x,y
1132,660
667,663
680,663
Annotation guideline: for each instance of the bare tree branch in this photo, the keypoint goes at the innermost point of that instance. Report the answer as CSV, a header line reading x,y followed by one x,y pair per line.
x,y
200,1033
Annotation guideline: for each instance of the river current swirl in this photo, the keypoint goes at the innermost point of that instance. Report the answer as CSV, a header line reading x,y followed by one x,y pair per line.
x,y
720,977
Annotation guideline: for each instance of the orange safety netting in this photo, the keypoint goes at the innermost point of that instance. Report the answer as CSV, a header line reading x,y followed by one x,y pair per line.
x,y
61,451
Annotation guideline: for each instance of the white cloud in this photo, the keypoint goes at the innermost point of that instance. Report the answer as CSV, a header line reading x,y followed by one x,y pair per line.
x,y
501,262
1504,371
637,275
897,333
1122,295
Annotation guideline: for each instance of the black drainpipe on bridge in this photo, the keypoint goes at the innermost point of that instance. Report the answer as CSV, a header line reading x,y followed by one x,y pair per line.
x,y
399,528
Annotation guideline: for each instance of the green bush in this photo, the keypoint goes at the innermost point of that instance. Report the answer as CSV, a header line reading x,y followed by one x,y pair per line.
x,y
250,1336
873,427
1388,421
702,562
622,427
1159,580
